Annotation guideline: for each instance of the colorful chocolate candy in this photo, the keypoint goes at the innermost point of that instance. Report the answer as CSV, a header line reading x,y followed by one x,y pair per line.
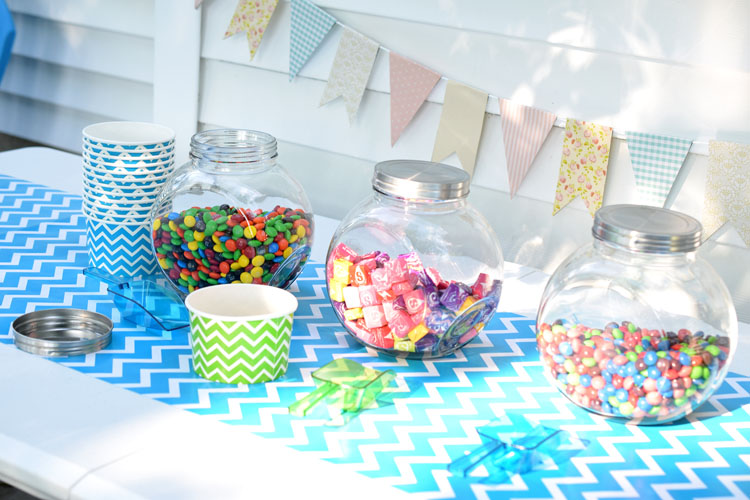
x,y
200,247
626,371
397,304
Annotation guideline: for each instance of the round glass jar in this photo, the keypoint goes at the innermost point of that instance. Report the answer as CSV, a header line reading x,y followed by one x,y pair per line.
x,y
636,325
414,270
232,214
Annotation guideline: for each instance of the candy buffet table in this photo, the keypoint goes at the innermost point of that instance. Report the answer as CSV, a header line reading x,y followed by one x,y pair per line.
x,y
134,421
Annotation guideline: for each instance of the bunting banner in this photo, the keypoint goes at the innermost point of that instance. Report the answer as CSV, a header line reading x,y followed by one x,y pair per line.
x,y
727,196
411,83
461,123
656,160
309,27
583,168
350,71
524,131
252,17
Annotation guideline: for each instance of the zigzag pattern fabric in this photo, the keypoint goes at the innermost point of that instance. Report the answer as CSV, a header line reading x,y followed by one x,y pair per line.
x,y
233,352
432,412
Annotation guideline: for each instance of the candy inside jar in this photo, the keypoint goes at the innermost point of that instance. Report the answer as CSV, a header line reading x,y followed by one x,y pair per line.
x,y
621,369
232,214
636,325
414,271
199,247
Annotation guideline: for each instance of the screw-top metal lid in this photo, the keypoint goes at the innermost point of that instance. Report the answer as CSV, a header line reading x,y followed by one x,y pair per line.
x,y
423,180
647,229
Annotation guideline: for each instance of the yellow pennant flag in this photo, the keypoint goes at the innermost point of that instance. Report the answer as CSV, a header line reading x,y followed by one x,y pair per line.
x,y
252,17
727,197
461,125
583,168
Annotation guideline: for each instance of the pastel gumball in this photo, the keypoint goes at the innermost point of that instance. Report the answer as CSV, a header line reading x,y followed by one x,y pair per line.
x,y
401,287
401,323
374,316
351,297
359,275
380,278
368,296
415,302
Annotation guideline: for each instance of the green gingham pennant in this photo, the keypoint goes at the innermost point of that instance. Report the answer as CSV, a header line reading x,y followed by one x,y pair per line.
x,y
656,162
310,25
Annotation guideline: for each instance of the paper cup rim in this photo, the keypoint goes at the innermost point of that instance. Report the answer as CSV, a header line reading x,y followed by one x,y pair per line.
x,y
129,133
195,301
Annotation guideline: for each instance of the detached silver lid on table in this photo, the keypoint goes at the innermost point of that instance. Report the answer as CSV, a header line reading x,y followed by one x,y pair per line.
x,y
62,332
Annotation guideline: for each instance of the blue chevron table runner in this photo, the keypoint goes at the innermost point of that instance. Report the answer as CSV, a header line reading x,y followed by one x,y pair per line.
x,y
434,409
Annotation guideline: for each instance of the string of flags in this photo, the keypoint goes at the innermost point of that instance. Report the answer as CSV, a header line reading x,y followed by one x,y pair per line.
x,y
656,159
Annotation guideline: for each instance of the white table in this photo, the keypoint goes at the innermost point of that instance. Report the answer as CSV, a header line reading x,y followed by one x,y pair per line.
x,y
64,434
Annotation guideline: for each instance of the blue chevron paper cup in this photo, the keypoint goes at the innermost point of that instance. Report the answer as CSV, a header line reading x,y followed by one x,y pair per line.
x,y
122,250
240,333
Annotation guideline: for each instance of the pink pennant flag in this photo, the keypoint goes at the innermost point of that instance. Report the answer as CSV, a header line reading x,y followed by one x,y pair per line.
x,y
411,83
524,132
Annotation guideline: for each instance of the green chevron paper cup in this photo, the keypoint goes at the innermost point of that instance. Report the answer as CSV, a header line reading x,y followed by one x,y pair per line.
x,y
240,333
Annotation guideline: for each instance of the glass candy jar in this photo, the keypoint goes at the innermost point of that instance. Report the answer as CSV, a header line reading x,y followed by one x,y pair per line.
x,y
232,214
636,325
414,270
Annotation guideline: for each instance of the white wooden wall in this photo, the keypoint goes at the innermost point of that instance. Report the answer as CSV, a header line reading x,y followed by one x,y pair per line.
x,y
676,68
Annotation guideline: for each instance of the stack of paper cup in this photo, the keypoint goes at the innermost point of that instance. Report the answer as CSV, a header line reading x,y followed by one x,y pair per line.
x,y
125,165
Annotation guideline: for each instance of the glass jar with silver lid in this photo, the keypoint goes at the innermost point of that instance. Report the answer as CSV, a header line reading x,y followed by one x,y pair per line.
x,y
414,270
636,324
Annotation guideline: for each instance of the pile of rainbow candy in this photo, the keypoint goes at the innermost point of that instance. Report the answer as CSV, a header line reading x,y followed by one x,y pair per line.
x,y
398,304
626,371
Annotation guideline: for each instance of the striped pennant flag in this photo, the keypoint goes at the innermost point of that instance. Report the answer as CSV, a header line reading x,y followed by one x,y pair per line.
x,y
524,131
310,25
656,162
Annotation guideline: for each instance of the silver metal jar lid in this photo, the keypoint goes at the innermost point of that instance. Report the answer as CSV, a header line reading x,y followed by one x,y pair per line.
x,y
422,180
62,332
647,229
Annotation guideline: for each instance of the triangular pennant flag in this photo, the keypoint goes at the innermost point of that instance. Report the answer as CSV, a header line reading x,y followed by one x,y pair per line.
x,y
411,83
350,71
461,125
252,17
309,27
656,162
727,196
583,168
524,132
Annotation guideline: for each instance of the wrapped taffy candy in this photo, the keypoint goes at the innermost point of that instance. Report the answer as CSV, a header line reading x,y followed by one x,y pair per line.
x,y
401,307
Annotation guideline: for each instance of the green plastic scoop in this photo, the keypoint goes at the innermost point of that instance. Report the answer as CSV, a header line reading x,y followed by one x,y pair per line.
x,y
346,384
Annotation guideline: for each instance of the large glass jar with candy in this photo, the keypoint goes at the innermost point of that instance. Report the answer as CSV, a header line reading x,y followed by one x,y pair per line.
x,y
636,324
232,214
414,270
